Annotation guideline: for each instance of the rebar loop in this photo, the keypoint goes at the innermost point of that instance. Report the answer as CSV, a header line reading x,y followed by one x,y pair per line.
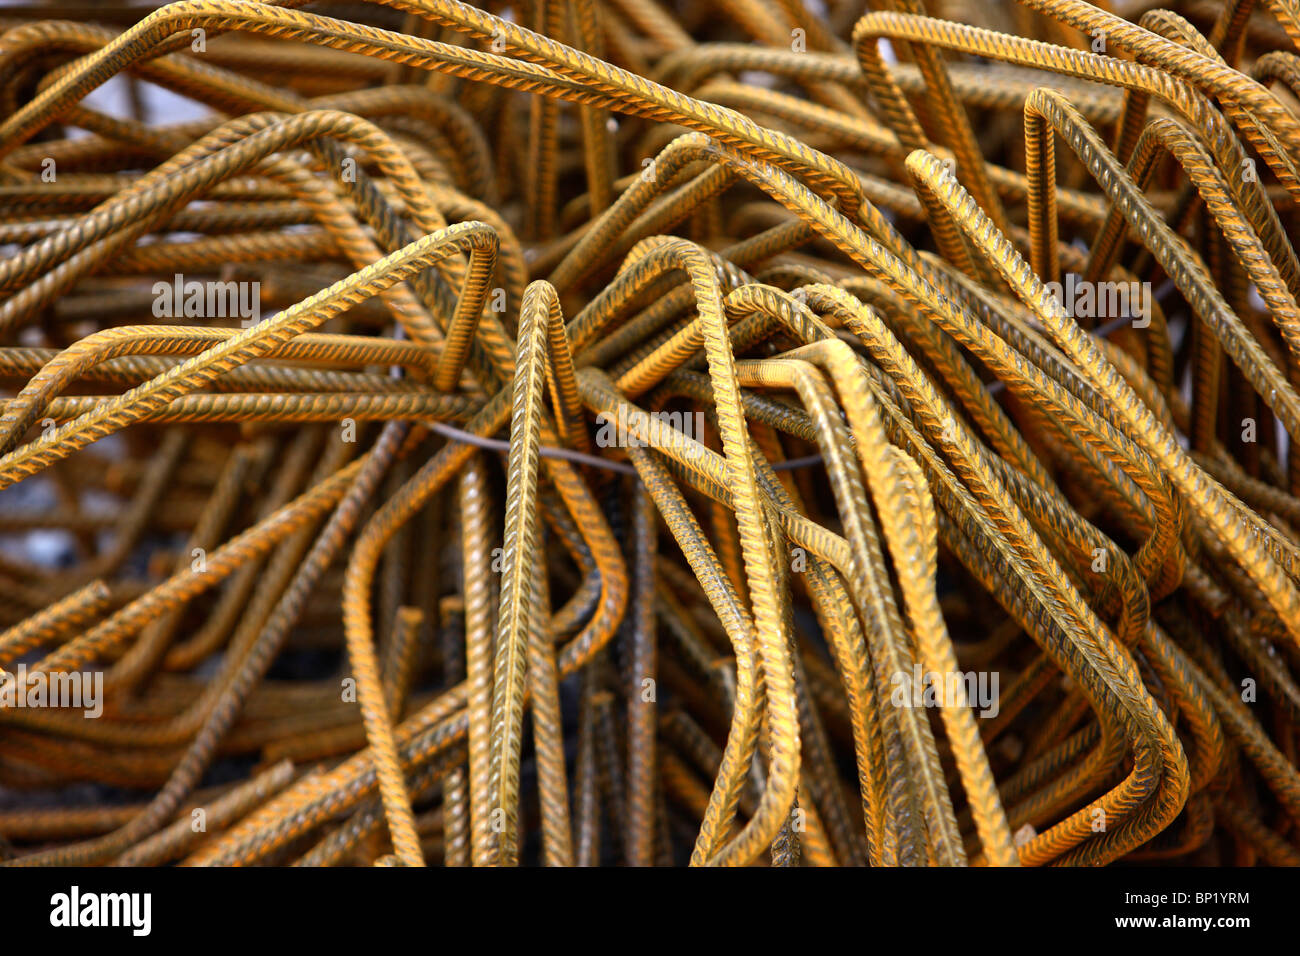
x,y
573,433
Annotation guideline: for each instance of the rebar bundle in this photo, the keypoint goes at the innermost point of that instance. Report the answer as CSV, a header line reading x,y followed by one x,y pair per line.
x,y
649,433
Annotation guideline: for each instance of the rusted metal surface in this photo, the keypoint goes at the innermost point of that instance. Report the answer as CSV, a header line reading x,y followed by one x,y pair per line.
x,y
637,433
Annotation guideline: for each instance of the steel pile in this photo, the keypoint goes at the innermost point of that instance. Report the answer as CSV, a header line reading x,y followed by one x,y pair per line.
x,y
760,432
